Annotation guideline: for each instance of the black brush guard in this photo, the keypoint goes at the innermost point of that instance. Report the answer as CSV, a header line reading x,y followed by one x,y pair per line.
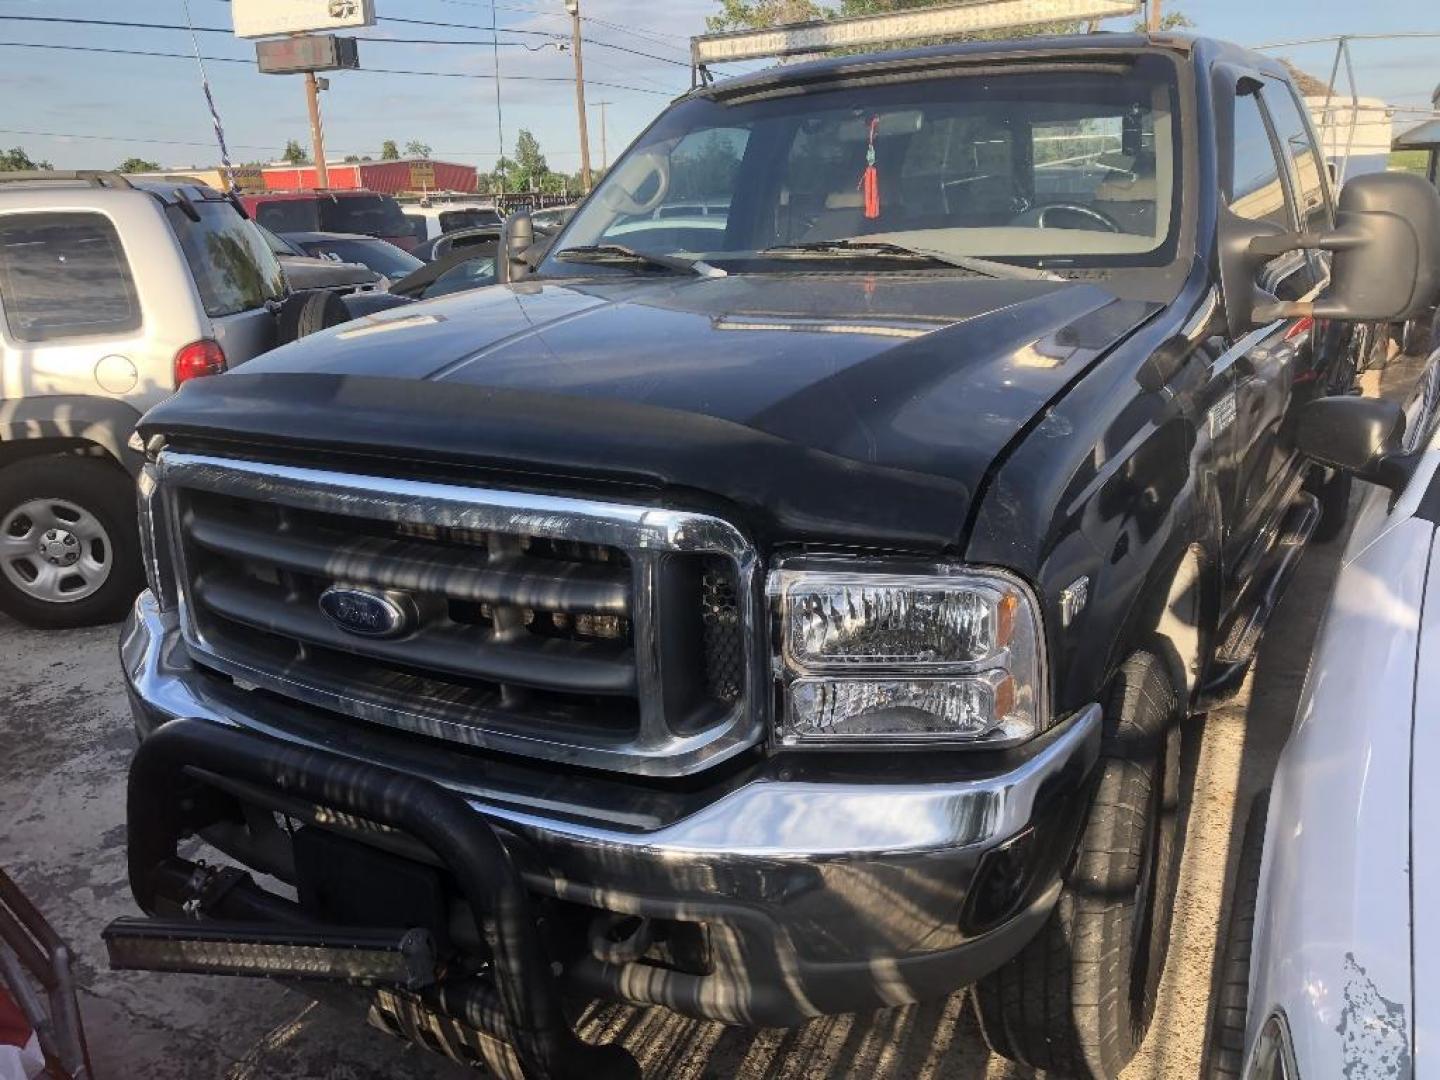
x,y
517,1002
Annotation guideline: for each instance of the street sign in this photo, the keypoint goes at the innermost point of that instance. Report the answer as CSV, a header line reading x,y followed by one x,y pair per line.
x,y
949,21
264,18
422,175
311,52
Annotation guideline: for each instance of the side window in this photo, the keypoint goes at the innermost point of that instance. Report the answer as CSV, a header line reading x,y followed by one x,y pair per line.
x,y
1298,144
418,228
1256,189
64,275
288,215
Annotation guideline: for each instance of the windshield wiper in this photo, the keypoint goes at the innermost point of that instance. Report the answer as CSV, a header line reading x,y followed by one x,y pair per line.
x,y
866,249
622,255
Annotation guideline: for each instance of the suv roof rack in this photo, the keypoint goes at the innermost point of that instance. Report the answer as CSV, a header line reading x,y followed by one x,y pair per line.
x,y
897,29
94,177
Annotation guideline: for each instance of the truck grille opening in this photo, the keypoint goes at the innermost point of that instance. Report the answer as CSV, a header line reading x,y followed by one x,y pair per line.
x,y
611,652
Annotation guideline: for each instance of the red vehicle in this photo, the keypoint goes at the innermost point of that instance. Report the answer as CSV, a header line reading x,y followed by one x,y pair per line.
x,y
367,212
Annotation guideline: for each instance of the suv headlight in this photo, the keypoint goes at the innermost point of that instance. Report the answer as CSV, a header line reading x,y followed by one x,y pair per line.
x,y
951,656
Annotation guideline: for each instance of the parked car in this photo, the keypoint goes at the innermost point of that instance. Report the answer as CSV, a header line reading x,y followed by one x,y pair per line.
x,y
305,272
367,212
113,293
380,256
429,222
790,619
459,271
1332,927
487,237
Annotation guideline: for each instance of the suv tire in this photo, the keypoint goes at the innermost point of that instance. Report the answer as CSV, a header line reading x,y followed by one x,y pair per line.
x,y
59,513
1076,1001
1226,1059
309,313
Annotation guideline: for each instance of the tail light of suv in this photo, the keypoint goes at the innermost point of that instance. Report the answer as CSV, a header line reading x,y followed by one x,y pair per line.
x,y
203,357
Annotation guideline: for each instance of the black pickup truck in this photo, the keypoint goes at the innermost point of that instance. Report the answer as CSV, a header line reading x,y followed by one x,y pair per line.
x,y
781,596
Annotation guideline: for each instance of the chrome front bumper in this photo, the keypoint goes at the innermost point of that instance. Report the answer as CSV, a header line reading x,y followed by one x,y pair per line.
x,y
820,893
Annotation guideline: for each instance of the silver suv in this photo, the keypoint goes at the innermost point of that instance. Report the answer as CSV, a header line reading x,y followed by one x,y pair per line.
x,y
113,292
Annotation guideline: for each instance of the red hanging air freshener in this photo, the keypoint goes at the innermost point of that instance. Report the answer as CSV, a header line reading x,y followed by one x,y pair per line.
x,y
870,182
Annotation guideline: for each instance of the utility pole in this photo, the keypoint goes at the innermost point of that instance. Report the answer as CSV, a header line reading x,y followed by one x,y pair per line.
x,y
573,7
604,136
317,135
499,112
1152,16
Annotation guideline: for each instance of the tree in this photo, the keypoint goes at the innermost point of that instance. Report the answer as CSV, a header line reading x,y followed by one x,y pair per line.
x,y
295,154
416,148
16,160
389,151
528,170
137,164
351,159
1169,20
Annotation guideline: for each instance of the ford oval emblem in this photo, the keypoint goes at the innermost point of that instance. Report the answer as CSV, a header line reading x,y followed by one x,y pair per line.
x,y
369,614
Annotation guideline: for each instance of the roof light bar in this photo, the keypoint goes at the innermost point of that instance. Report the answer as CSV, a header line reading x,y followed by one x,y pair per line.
x,y
950,21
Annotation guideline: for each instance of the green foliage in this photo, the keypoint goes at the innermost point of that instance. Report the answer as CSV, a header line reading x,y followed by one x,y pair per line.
x,y
1169,20
295,154
351,159
1416,161
16,160
389,151
416,148
137,164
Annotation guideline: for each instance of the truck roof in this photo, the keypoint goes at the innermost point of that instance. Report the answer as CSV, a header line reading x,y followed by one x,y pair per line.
x,y
832,68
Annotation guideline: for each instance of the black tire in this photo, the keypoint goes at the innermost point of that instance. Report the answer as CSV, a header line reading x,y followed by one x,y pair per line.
x,y
101,489
1076,1001
1334,497
308,313
1226,1053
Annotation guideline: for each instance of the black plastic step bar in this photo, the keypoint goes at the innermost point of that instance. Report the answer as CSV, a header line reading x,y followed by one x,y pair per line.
x,y
1240,638
517,1002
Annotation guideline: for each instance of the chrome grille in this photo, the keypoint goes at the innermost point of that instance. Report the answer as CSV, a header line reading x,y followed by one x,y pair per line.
x,y
606,635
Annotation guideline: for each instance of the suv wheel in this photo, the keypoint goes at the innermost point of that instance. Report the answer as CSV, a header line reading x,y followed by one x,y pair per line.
x,y
69,553
1076,1001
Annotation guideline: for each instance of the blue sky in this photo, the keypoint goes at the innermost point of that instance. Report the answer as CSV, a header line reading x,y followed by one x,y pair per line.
x,y
99,109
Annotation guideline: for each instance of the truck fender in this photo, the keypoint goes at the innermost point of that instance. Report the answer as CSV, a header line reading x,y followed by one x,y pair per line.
x,y
74,418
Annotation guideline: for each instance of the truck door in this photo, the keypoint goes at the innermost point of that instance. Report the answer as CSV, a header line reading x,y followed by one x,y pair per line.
x,y
1273,364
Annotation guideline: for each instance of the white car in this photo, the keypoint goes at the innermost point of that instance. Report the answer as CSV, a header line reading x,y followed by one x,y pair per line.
x,y
428,222
1344,959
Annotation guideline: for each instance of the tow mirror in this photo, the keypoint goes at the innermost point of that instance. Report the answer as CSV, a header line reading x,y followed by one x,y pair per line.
x,y
1361,436
517,238
1386,265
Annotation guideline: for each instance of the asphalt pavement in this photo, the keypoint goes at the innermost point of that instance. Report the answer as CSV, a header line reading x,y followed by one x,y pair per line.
x,y
68,737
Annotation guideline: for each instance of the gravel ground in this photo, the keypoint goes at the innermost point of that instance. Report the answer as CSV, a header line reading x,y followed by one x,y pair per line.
x,y
67,735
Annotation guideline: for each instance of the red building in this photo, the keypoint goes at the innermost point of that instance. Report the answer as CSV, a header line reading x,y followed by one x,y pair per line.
x,y
390,177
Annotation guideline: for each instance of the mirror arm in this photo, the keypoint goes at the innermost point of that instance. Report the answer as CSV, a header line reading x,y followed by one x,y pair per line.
x,y
1393,471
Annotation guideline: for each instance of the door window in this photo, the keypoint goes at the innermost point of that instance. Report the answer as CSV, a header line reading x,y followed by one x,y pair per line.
x,y
233,267
1299,146
64,275
1256,189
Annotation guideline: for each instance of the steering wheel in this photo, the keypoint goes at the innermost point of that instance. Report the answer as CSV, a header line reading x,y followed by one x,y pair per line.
x,y
1109,223
620,195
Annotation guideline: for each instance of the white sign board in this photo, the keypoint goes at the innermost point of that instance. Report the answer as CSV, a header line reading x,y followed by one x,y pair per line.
x,y
950,21
265,18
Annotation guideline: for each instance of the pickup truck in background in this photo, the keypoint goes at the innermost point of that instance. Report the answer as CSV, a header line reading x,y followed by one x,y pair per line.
x,y
779,611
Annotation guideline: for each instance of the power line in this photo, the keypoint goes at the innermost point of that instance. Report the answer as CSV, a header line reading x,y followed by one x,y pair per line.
x,y
367,70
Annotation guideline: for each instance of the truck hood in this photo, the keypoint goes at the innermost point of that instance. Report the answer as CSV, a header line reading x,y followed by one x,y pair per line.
x,y
825,407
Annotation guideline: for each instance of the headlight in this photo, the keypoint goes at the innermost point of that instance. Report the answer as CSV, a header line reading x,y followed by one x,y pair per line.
x,y
951,656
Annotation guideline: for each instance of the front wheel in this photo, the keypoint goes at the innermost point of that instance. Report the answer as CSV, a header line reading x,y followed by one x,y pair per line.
x,y
69,551
1076,1001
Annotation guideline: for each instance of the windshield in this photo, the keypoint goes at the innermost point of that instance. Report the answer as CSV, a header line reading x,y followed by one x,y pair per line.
x,y
379,255
234,268
1039,166
373,215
